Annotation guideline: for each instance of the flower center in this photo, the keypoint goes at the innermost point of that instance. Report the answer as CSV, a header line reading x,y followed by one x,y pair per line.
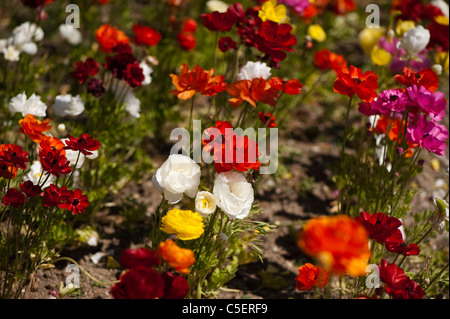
x,y
75,202
393,98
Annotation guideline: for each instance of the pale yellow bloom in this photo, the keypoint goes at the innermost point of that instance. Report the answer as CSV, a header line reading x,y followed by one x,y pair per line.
x,y
442,59
272,11
316,32
380,56
404,26
369,37
185,224
443,20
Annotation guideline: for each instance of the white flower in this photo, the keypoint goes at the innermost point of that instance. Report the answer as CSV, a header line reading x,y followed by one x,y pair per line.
x,y
147,71
254,70
23,37
441,4
132,104
437,68
11,53
216,5
178,175
234,194
73,155
72,35
68,105
93,156
415,40
35,174
33,105
205,203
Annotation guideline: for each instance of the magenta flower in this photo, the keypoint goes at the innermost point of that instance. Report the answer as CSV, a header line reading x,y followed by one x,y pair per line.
x,y
429,135
297,5
432,104
387,101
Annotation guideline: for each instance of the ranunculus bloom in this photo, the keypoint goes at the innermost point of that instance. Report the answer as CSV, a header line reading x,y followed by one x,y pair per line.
x,y
297,5
29,189
34,128
53,196
14,197
175,287
131,258
187,41
340,243
252,70
85,144
310,276
205,203
146,35
397,284
196,80
96,87
35,173
108,37
32,105
271,10
415,40
264,117
227,43
317,33
139,283
76,202
51,144
234,194
275,40
187,225
257,89
68,105
55,163
353,81
291,87
13,155
325,60
429,135
178,258
219,21
134,75
83,70
426,78
439,34
179,174
424,101
388,101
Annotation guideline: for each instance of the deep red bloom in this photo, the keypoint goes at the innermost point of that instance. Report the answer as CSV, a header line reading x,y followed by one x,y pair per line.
x,y
264,117
439,36
85,144
342,7
134,75
119,62
12,154
14,198
175,287
55,163
426,78
219,21
395,244
146,35
95,87
5,170
82,70
139,283
291,87
397,284
189,25
35,3
410,9
274,39
54,196
325,60
76,202
353,80
187,41
30,189
226,43
130,258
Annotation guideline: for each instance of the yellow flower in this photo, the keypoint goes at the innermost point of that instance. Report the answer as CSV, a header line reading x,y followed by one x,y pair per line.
x,y
316,32
380,56
369,37
443,20
270,10
404,26
442,59
185,224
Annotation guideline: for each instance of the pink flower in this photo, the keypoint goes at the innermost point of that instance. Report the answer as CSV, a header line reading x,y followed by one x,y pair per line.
x,y
387,101
429,135
423,100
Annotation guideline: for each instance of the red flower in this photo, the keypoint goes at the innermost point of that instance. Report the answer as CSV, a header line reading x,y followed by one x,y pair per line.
x,y
342,7
187,41
395,244
76,202
85,144
134,75
82,70
5,170
219,21
55,163
189,25
51,144
54,196
14,198
353,80
13,155
30,189
397,284
108,37
274,39
325,60
139,283
257,89
439,36
264,117
95,87
118,63
426,78
146,35
226,43
175,287
131,258
291,87
35,3
310,276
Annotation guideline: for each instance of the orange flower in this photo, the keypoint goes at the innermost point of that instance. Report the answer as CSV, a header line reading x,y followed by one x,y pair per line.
x,y
340,243
108,37
310,276
51,144
257,89
34,128
197,80
178,258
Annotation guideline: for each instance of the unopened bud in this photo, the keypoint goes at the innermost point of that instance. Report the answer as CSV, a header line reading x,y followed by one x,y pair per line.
x,y
420,162
437,68
441,206
427,281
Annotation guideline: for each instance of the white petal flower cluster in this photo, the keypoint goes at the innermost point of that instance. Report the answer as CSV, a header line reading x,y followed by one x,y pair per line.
x,y
414,41
70,34
68,105
22,39
253,70
32,105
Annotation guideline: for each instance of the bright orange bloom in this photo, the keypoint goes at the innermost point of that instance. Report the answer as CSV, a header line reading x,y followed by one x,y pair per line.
x,y
178,258
108,37
310,276
197,80
50,144
393,132
325,60
340,243
257,89
34,128
353,80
